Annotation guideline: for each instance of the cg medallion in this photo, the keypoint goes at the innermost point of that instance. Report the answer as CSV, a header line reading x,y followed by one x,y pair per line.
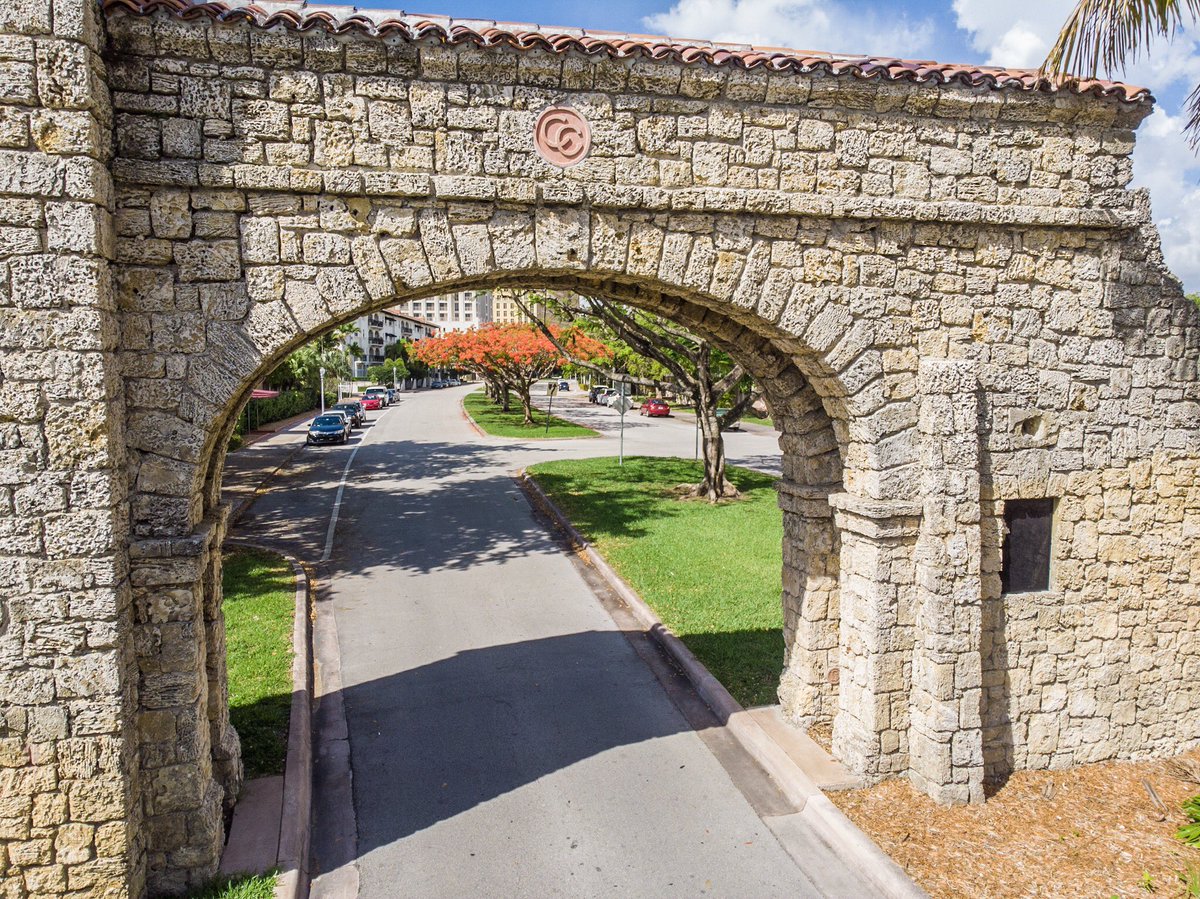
x,y
562,136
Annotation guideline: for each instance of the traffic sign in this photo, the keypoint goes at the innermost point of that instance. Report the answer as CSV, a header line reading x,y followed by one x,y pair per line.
x,y
622,404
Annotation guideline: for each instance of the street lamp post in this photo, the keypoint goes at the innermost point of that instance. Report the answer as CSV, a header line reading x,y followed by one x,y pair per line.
x,y
322,389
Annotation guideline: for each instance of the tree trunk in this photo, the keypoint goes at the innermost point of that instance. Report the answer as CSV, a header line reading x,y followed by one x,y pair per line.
x,y
526,403
715,485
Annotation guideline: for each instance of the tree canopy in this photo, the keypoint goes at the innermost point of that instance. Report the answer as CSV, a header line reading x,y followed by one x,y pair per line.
x,y
509,356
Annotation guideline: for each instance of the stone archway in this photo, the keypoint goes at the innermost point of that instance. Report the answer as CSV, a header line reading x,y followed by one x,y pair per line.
x,y
937,272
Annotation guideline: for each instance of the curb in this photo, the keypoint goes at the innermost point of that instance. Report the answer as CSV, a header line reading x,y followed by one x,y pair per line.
x,y
295,825
462,407
838,831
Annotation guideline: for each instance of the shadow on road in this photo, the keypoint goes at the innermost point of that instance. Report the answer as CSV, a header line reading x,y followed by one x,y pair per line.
x,y
435,741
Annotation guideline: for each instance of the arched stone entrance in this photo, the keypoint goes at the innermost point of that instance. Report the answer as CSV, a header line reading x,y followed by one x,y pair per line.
x,y
938,275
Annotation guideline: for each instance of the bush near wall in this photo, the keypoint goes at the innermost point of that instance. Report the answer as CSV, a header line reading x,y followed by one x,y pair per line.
x,y
289,402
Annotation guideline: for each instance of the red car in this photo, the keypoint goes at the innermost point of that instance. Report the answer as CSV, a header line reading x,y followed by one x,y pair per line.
x,y
371,401
655,408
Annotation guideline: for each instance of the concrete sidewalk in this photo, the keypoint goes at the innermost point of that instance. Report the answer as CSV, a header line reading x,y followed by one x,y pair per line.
x,y
248,469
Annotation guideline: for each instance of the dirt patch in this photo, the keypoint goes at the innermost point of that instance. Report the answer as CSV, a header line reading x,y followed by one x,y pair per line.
x,y
822,735
1092,831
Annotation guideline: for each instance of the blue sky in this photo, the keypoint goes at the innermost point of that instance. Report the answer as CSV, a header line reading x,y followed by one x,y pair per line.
x,y
998,32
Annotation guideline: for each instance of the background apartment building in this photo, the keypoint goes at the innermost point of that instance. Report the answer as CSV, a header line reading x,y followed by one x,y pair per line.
x,y
376,332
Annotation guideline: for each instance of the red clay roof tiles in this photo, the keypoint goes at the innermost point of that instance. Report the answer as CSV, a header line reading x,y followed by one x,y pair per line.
x,y
302,16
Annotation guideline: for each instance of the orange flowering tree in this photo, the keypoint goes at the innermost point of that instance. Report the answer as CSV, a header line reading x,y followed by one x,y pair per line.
x,y
510,357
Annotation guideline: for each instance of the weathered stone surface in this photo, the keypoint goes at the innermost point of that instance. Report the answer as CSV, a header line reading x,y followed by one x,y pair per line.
x,y
951,302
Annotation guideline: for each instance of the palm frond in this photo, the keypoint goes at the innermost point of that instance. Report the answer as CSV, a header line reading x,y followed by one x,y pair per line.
x,y
1100,36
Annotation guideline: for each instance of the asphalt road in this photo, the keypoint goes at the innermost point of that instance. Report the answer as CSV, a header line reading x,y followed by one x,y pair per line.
x,y
506,737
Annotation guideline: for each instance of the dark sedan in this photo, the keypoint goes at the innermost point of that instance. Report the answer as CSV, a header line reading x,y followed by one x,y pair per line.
x,y
354,411
328,429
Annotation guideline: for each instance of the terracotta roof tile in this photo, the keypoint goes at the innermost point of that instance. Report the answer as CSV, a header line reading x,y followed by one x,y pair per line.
x,y
302,16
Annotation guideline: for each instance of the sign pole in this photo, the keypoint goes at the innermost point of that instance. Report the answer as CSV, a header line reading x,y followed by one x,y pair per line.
x,y
550,407
622,404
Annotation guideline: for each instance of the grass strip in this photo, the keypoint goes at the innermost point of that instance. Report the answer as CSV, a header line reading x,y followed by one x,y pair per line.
x,y
239,886
259,590
745,419
711,573
498,423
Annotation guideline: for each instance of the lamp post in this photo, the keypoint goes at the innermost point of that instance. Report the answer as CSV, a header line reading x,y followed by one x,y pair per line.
x,y
322,389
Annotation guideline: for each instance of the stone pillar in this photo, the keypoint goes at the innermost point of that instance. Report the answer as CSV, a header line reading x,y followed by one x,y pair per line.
x,y
69,806
870,732
183,727
945,730
809,685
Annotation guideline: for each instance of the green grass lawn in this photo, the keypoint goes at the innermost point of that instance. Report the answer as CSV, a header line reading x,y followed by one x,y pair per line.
x,y
493,420
259,590
241,886
712,573
745,419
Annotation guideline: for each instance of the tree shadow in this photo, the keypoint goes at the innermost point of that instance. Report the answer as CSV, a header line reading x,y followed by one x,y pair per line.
x,y
432,742
440,508
634,493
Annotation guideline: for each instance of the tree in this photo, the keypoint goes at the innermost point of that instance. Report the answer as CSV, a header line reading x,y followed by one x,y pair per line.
x,y
401,351
670,356
509,357
302,368
1101,35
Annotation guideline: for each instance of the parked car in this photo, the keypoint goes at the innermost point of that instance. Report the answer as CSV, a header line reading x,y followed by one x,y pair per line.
x,y
328,428
380,392
355,411
602,395
564,385
372,401
655,408
437,383
594,393
453,382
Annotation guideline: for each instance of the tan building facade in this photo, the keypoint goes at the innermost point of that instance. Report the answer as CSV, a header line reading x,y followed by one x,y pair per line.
x,y
985,378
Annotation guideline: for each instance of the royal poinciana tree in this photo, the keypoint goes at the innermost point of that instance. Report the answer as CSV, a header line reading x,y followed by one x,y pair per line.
x,y
509,358
680,360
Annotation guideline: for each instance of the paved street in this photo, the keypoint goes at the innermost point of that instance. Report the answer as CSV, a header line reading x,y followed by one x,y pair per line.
x,y
506,738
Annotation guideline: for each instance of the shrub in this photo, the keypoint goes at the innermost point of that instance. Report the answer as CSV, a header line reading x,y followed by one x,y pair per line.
x,y
287,404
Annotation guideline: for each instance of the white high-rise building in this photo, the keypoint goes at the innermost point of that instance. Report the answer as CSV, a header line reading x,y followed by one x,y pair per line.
x,y
453,311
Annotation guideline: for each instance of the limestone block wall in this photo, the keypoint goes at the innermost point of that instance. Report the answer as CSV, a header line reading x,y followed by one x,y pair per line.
x,y
69,792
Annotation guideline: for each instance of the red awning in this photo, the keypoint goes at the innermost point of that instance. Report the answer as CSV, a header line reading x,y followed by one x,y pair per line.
x,y
257,394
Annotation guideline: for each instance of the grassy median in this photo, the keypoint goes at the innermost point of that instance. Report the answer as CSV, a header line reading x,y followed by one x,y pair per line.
x,y
711,573
259,590
498,423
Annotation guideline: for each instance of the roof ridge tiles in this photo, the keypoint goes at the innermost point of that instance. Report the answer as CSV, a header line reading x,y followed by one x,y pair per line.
x,y
342,19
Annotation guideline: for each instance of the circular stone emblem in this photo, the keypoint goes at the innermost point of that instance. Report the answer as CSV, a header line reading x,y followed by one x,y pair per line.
x,y
562,136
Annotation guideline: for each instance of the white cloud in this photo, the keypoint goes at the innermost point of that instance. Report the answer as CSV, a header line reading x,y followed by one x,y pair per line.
x,y
802,24
1017,33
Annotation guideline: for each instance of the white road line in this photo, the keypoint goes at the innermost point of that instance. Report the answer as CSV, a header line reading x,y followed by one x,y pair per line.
x,y
337,500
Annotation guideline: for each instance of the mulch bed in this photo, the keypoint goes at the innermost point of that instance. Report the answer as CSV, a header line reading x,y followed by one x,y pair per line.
x,y
1092,831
